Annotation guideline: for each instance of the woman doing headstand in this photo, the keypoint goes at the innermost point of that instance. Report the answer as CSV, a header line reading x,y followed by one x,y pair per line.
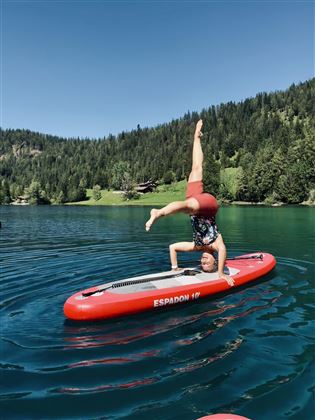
x,y
202,208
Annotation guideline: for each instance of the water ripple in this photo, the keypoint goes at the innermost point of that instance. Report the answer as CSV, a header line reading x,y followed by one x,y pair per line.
x,y
250,352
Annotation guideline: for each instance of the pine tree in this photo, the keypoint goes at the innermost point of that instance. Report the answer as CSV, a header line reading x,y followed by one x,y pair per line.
x,y
96,194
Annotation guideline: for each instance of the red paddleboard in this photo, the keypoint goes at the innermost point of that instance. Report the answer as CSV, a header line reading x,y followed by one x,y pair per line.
x,y
144,293
223,417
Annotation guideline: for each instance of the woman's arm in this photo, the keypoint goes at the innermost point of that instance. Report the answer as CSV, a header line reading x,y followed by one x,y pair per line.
x,y
179,246
219,246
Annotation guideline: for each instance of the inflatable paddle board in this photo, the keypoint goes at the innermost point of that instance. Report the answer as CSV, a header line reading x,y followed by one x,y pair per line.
x,y
143,293
223,417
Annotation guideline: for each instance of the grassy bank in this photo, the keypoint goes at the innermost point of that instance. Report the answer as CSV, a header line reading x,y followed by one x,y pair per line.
x,y
162,196
166,194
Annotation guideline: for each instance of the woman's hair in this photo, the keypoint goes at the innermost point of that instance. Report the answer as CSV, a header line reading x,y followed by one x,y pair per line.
x,y
215,265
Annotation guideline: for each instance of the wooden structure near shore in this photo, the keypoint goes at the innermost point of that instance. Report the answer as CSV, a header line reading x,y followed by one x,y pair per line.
x,y
21,200
146,187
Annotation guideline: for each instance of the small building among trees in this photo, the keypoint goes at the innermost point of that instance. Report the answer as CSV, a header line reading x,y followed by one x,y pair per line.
x,y
146,187
21,200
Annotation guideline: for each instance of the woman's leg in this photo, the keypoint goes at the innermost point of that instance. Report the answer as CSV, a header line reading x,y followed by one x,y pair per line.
x,y
197,156
190,205
187,206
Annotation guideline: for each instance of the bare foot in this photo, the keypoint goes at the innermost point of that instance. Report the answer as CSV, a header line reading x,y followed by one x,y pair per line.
x,y
154,216
198,128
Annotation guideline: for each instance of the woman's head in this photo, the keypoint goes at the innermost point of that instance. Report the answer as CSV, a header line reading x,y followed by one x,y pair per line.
x,y
208,262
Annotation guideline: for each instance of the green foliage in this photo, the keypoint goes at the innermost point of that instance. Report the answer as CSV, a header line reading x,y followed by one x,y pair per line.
x,y
169,177
291,187
76,194
268,139
171,188
120,175
131,194
97,195
5,195
60,198
211,175
230,183
311,197
129,187
36,195
272,199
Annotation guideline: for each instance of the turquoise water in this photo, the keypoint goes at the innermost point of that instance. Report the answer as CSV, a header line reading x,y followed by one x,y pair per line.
x,y
250,352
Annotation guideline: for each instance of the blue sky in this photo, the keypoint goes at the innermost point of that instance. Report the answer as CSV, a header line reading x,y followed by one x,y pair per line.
x,y
90,68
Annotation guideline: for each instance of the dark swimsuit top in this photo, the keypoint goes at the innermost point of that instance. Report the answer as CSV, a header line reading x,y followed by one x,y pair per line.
x,y
205,230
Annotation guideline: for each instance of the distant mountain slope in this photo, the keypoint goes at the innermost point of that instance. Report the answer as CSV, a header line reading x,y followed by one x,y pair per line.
x,y
268,140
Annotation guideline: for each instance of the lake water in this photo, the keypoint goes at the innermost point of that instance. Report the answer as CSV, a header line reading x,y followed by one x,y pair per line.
x,y
250,352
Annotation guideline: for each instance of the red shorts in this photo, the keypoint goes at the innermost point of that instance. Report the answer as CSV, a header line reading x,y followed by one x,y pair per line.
x,y
208,205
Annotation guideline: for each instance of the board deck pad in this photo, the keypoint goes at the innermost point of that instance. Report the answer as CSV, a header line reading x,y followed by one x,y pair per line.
x,y
176,281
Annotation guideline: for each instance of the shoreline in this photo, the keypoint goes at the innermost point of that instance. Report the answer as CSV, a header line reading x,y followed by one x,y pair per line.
x,y
238,203
135,204
160,197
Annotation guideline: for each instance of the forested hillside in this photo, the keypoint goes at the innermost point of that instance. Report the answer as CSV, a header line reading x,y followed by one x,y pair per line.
x,y
261,149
